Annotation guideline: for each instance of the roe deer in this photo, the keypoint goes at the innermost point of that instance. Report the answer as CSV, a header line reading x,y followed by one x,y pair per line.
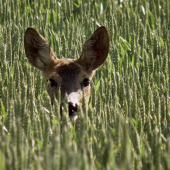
x,y
71,76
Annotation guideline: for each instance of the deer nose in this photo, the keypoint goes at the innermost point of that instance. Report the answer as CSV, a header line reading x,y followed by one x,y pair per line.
x,y
72,109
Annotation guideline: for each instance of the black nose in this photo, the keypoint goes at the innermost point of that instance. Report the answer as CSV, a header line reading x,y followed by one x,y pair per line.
x,y
72,109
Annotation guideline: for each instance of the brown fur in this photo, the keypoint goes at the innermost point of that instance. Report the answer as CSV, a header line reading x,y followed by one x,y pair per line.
x,y
71,76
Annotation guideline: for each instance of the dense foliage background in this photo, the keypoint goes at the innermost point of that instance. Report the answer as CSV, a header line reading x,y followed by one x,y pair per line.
x,y
127,125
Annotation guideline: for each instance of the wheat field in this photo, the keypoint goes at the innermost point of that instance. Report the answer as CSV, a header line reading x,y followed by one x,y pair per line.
x,y
127,124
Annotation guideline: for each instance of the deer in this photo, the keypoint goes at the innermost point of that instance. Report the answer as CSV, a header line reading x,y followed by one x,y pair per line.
x,y
68,77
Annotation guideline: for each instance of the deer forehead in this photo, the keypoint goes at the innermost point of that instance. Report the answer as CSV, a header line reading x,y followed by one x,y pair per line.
x,y
69,70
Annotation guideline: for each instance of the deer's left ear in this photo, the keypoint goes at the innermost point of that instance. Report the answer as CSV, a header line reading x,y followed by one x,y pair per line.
x,y
96,48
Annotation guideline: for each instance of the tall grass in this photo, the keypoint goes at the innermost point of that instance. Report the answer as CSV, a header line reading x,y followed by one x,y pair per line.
x,y
127,125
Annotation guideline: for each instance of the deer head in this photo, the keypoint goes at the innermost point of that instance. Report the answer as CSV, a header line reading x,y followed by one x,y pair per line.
x,y
71,76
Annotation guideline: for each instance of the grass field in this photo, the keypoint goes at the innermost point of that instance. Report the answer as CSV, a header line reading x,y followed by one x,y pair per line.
x,y
127,125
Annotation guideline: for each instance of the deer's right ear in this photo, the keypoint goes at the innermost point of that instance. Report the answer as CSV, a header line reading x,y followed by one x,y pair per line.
x,y
38,50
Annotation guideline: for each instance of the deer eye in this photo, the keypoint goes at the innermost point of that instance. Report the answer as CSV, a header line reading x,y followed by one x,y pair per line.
x,y
86,82
53,83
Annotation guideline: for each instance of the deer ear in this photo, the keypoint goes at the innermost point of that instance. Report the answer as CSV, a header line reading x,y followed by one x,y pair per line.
x,y
38,50
96,49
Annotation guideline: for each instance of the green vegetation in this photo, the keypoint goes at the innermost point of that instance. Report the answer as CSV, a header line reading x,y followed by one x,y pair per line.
x,y
127,125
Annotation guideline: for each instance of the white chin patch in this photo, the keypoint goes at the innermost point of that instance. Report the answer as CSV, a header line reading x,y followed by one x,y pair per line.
x,y
74,117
